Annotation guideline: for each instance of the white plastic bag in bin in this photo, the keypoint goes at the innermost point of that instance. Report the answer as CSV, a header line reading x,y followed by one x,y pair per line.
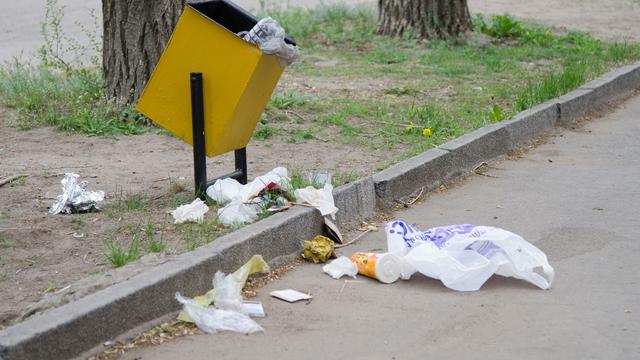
x,y
270,37
463,257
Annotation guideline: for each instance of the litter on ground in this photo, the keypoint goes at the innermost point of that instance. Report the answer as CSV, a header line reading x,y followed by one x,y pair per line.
x,y
244,202
75,197
255,265
318,250
340,267
464,257
193,212
383,267
290,295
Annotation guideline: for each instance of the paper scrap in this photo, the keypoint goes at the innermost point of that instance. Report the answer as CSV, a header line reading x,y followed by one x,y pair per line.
x,y
290,295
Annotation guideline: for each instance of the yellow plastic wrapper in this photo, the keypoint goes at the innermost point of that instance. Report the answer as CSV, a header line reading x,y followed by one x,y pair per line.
x,y
255,265
318,250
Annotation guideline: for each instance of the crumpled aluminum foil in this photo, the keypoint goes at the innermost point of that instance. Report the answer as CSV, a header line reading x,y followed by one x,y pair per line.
x,y
75,197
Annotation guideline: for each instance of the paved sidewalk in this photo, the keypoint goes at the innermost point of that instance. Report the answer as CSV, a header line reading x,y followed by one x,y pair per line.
x,y
575,197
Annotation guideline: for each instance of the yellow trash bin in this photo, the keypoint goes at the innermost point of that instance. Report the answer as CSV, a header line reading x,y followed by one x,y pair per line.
x,y
238,79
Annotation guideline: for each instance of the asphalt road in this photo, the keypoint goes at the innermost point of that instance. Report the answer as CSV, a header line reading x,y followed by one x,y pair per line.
x,y
575,197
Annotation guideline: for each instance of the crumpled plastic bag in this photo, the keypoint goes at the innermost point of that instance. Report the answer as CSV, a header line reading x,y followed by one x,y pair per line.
x,y
319,249
255,265
227,292
340,267
230,190
270,37
212,320
193,212
237,213
463,257
321,199
237,197
75,197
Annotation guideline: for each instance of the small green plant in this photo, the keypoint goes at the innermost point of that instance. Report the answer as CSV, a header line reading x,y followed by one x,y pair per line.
x,y
129,202
6,243
502,26
288,99
155,245
198,234
22,181
404,90
118,256
496,114
264,132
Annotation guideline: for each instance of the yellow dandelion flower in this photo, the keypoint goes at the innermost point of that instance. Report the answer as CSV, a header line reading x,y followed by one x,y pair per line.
x,y
426,132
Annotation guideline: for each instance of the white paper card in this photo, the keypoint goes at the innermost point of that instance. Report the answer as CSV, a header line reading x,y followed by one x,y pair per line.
x,y
290,295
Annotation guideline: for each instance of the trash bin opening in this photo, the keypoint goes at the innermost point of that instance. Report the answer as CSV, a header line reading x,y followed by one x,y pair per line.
x,y
228,15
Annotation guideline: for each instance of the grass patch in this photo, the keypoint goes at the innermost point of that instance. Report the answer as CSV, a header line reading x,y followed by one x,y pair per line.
x,y
64,93
125,203
407,95
6,243
195,235
156,245
119,256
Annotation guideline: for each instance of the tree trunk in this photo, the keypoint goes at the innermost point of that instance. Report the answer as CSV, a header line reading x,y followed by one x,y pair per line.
x,y
427,19
135,34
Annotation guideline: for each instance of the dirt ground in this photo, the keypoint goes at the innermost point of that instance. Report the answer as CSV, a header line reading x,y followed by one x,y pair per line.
x,y
41,255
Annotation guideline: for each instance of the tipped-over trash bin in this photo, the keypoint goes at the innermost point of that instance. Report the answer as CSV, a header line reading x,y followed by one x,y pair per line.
x,y
238,78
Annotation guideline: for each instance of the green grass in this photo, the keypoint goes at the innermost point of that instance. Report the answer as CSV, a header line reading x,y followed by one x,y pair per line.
x,y
383,93
125,203
6,243
69,101
195,235
155,245
119,256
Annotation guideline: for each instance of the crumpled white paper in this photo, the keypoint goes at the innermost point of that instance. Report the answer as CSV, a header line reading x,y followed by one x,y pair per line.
x,y
340,267
193,212
321,199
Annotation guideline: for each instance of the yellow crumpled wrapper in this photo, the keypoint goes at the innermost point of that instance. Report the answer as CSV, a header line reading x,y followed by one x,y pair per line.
x,y
255,265
318,250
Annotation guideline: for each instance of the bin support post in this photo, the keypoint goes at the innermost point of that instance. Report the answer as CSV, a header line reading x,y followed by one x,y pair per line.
x,y
197,119
199,156
241,164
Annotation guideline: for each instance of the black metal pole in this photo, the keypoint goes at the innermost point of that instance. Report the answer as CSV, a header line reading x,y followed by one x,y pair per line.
x,y
241,164
197,119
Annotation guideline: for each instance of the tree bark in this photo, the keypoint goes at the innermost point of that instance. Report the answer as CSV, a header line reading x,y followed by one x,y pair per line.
x,y
135,34
427,19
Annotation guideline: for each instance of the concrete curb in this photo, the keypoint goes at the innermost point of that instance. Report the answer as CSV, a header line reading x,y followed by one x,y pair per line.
x,y
112,311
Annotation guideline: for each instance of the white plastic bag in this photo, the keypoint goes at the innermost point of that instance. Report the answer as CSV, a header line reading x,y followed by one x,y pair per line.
x,y
237,213
321,199
211,320
463,257
340,267
270,37
227,292
190,212
229,190
237,197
